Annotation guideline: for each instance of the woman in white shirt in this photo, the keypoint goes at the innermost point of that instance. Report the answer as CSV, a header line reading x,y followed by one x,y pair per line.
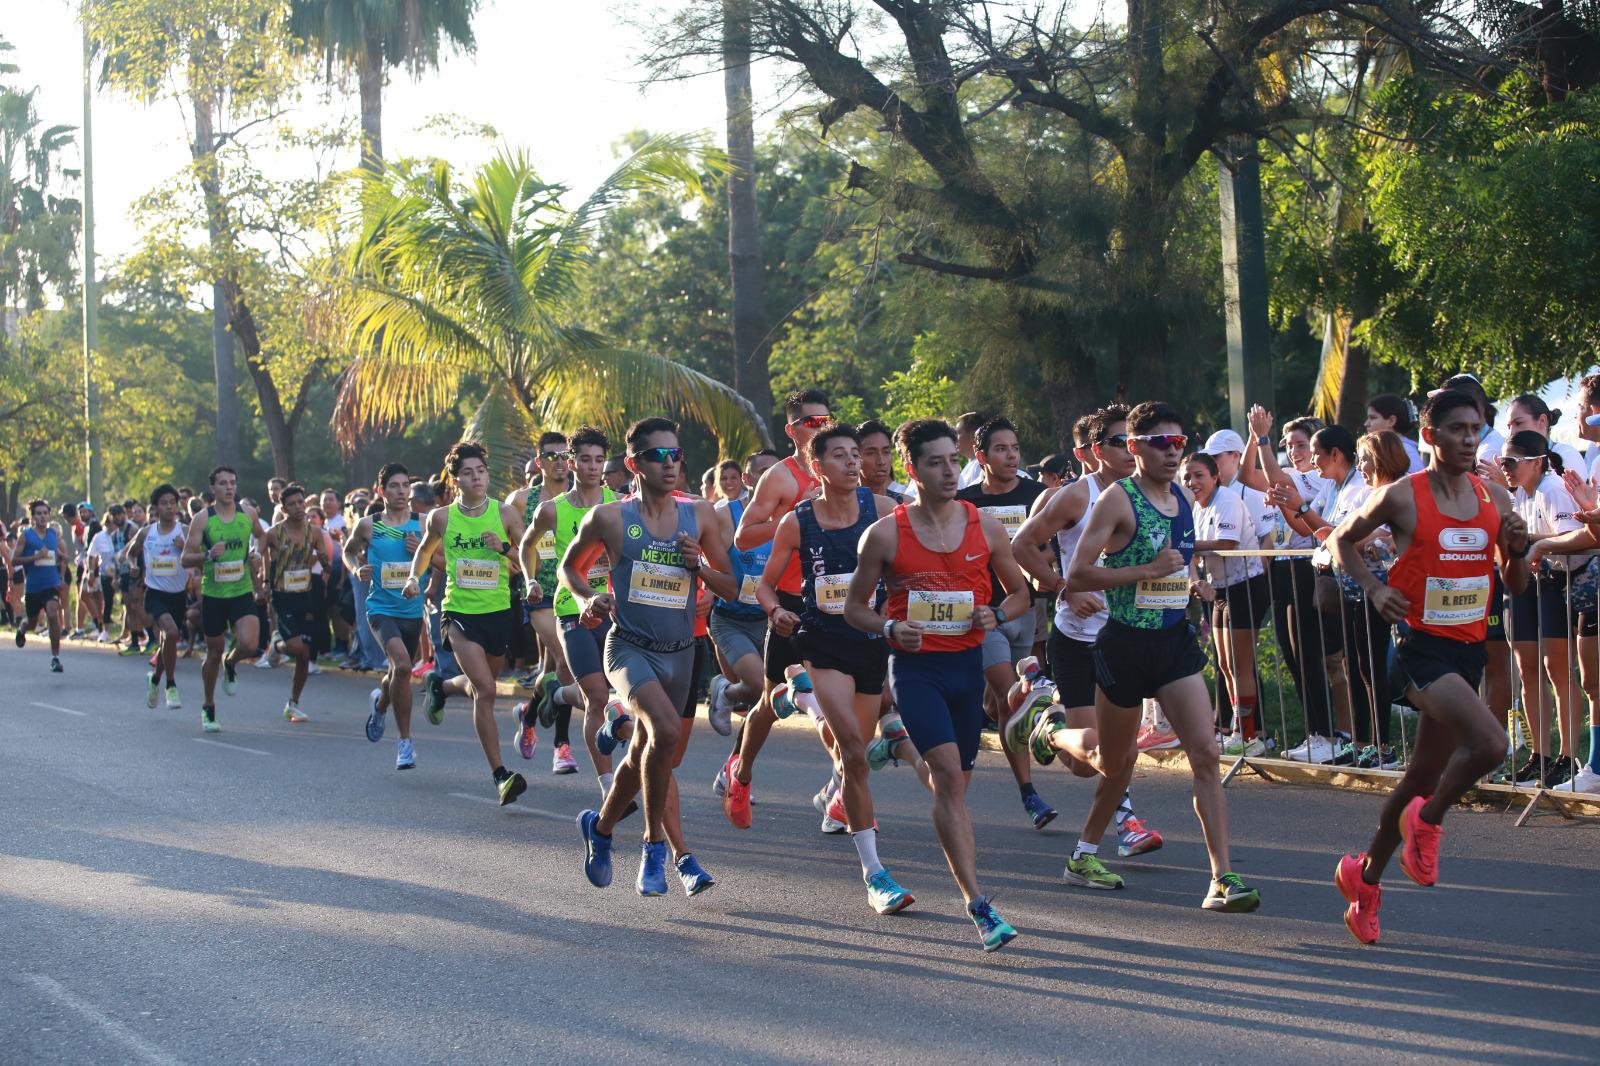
x,y
1396,414
1541,620
1528,412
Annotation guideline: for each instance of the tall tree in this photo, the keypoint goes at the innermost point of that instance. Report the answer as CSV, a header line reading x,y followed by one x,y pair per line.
x,y
747,272
38,219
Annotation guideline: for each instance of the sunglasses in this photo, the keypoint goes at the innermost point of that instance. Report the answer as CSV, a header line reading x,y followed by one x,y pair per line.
x,y
1162,441
812,421
547,456
659,455
1118,440
1509,462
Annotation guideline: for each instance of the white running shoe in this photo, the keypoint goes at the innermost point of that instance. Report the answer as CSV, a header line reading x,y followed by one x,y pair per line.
x,y
1586,781
263,663
313,668
719,712
1236,745
1315,749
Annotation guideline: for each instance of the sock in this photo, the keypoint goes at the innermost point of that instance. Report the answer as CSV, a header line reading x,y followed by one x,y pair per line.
x,y
564,696
499,774
605,783
564,725
1085,848
866,842
1124,809
1245,714
1028,790
1594,748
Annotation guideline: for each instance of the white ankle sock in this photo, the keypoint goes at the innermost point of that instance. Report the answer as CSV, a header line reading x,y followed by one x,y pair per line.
x,y
866,842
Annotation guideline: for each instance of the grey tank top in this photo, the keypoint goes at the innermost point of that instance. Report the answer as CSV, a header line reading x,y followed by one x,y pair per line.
x,y
655,595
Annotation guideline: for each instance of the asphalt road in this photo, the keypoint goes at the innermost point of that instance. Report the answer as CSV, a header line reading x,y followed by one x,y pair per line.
x,y
280,894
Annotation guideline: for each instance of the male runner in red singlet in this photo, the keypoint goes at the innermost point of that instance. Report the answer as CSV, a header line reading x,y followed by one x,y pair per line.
x,y
1446,524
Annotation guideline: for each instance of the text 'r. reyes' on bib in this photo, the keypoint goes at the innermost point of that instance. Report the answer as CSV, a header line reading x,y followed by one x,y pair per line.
x,y
1455,601
478,574
940,612
655,585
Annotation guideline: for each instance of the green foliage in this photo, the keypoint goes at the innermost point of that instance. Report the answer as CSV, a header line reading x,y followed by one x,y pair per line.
x,y
39,222
923,391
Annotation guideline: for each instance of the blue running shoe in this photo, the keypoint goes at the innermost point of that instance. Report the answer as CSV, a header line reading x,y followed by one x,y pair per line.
x,y
596,851
605,739
653,869
885,895
405,756
1040,811
375,718
995,930
695,879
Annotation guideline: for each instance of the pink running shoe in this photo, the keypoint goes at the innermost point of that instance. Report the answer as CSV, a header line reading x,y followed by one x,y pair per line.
x,y
1419,857
563,762
527,739
1134,839
1361,917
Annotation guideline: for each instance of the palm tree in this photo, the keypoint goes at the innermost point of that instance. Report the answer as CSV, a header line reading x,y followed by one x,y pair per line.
x,y
748,288
455,284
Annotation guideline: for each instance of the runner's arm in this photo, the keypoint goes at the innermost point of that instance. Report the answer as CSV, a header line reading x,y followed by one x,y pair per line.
x,y
433,536
354,552
873,556
1019,595
784,545
194,545
1062,512
1380,509
511,519
716,573
544,520
1111,515
587,543
774,496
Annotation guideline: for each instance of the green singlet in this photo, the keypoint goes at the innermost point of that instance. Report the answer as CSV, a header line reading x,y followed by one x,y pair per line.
x,y
1156,603
549,554
568,515
228,576
477,580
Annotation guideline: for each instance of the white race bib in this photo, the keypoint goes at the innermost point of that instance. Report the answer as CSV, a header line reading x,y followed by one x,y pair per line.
x,y
547,547
655,585
1162,593
599,572
940,612
393,575
297,581
163,566
1456,601
747,590
227,571
831,589
478,574
45,559
1010,516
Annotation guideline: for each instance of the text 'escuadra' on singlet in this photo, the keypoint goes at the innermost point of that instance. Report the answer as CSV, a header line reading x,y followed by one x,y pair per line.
x,y
747,568
1070,625
391,566
477,580
655,593
1446,572
163,559
1160,602
568,516
229,576
804,482
939,589
828,562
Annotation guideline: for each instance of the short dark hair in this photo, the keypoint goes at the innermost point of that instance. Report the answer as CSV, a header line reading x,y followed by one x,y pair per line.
x,y
130,502
115,508
35,504
423,491
969,422
1532,442
293,488
1083,430
913,435
589,437
987,431
640,430
211,478
161,490
1442,403
1388,405
871,426
196,504
550,436
729,464
387,471
771,452
276,480
1150,414
1105,418
1469,384
1056,465
1338,439
460,452
1589,391
800,398
1207,461
831,432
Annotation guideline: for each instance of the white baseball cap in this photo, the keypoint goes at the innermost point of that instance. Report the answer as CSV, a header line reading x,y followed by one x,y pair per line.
x,y
1223,440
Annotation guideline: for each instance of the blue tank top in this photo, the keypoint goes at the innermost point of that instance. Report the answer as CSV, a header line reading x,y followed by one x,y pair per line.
x,y
391,565
747,568
42,576
827,563
655,594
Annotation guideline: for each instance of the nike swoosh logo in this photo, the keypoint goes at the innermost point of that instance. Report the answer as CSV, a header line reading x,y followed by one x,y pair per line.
x,y
974,558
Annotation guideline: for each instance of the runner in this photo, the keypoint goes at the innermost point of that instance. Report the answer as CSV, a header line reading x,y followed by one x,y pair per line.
x,y
1147,647
739,626
1004,495
46,568
219,543
379,551
478,535
1444,521
287,553
1079,618
156,555
539,558
656,542
936,620
780,489
877,460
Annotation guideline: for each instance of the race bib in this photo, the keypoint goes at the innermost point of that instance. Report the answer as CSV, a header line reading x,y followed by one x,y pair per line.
x,y
598,573
163,566
45,559
940,612
747,590
1456,601
227,571
655,585
547,547
393,575
831,589
478,574
1010,517
297,581
1162,593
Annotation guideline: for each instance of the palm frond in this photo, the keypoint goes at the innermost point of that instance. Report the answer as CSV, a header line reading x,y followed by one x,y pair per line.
x,y
502,425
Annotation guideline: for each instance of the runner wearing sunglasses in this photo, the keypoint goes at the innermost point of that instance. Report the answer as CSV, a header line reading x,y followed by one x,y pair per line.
x,y
1144,530
540,556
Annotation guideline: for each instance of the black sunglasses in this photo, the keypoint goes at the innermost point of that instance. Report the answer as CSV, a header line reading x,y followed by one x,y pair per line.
x,y
547,456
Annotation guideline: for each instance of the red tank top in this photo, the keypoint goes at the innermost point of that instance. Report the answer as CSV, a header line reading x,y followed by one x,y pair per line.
x,y
790,582
1446,573
940,589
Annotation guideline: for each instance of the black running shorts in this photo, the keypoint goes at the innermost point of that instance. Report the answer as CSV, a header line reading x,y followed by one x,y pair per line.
x,y
783,652
34,602
1071,668
386,628
865,660
1420,659
219,613
1132,665
158,603
495,632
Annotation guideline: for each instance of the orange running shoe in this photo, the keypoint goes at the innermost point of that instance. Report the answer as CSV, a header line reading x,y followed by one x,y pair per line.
x,y
1419,856
1361,917
736,804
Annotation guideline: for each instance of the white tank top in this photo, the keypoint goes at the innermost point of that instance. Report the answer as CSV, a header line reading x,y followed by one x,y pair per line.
x,y
163,559
1082,629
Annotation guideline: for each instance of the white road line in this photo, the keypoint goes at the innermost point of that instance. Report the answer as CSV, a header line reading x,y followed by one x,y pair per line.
x,y
512,808
122,1034
231,747
63,710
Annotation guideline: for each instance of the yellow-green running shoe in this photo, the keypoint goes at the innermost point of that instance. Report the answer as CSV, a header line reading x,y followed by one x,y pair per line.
x,y
1087,871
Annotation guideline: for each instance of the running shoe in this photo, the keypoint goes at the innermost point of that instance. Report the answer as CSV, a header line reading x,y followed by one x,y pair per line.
x,y
782,705
1557,772
375,717
719,712
885,895
263,663
154,691
55,664
596,850
694,877
1154,738
1038,810
1030,727
736,804
312,668
1087,871
230,678
880,753
994,930
1419,855
208,720
1238,746
547,700
606,738
174,702
405,756
1230,893
510,787
834,818
1361,917
1314,749
421,669
433,684
1390,760
719,787
652,869
103,637
527,740
1345,754
1586,781
293,713
820,798
131,650
22,635
1134,839
155,657
562,761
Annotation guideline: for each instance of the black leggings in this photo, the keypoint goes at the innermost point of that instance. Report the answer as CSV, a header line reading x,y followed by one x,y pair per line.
x,y
1302,633
1366,641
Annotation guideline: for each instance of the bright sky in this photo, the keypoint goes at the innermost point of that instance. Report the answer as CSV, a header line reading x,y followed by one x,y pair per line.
x,y
558,79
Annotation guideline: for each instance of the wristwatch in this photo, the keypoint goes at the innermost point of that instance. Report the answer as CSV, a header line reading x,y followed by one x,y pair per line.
x,y
1263,441
888,628
999,617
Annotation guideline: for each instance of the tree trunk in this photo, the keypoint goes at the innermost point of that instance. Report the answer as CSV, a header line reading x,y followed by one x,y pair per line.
x,y
1353,394
280,423
370,75
750,348
224,372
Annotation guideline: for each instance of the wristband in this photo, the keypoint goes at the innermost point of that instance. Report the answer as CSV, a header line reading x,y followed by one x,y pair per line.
x,y
888,628
505,547
999,617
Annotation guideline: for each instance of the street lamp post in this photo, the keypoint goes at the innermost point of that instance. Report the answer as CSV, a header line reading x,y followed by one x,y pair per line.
x,y
93,472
